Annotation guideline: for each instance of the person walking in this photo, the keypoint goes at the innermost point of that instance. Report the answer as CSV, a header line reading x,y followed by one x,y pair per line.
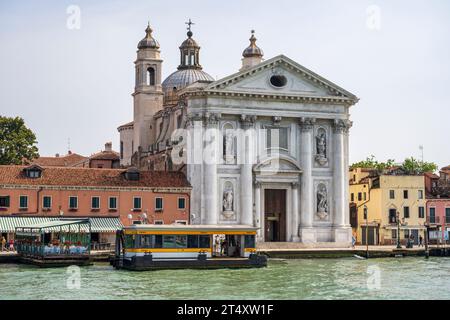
x,y
3,244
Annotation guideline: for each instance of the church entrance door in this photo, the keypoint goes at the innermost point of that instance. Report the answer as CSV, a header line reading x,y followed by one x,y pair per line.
x,y
275,215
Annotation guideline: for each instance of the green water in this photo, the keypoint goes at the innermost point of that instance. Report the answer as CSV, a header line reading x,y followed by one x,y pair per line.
x,y
398,278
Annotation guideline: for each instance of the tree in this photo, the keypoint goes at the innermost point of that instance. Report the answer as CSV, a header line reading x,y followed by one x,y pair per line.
x,y
414,166
17,142
372,163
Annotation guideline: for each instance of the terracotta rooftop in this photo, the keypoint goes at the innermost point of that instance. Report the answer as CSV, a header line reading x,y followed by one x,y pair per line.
x,y
61,161
76,176
105,155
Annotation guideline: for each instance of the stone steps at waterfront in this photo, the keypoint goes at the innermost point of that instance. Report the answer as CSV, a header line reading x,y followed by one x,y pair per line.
x,y
300,245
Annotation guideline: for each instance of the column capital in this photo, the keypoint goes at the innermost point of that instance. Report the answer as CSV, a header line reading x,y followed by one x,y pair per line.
x,y
306,124
192,117
247,120
211,119
295,185
341,126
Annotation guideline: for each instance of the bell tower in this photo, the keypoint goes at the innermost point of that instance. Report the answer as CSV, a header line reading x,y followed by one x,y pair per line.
x,y
148,94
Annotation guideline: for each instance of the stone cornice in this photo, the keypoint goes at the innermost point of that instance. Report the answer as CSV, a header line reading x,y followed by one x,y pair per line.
x,y
273,97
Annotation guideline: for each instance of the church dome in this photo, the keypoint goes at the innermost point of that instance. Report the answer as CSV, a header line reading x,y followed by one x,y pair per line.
x,y
148,42
189,70
252,50
182,78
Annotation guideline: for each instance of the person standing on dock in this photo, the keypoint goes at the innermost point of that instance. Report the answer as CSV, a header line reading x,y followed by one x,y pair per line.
x,y
11,245
3,244
420,241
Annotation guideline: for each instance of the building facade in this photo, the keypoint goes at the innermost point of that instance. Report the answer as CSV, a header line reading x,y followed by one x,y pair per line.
x,y
112,198
265,146
437,190
389,198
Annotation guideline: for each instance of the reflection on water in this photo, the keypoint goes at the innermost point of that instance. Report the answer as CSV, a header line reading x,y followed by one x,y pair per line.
x,y
398,278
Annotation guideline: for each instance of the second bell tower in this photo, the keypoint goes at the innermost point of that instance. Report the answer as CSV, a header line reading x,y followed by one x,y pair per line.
x,y
148,94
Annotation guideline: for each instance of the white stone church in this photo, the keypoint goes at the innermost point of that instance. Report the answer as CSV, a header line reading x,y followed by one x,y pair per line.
x,y
265,146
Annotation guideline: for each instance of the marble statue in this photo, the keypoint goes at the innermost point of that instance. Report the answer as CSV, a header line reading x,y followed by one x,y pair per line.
x,y
228,200
321,148
322,202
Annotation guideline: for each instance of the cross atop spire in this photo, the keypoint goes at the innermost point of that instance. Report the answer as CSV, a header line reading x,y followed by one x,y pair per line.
x,y
189,23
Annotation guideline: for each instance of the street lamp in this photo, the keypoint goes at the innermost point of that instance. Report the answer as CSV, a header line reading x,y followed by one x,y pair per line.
x,y
399,246
130,217
367,230
144,217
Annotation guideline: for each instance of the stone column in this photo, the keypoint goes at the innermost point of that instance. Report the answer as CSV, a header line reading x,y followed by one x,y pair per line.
x,y
258,218
194,160
295,213
210,158
306,188
340,181
247,124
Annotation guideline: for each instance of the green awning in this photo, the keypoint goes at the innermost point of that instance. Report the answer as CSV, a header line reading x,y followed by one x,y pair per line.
x,y
98,224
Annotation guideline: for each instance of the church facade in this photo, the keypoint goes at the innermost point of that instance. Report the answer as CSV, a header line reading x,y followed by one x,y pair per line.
x,y
266,146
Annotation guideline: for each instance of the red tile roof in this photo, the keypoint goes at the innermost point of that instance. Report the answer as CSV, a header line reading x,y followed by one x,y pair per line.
x,y
61,161
105,155
75,176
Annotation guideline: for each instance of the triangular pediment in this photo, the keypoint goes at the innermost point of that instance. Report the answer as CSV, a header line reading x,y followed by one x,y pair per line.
x,y
280,165
296,81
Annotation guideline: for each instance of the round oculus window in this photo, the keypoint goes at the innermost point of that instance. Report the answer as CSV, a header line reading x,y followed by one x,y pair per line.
x,y
278,81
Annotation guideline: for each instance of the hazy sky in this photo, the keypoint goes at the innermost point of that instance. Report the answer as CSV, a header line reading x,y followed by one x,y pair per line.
x,y
77,83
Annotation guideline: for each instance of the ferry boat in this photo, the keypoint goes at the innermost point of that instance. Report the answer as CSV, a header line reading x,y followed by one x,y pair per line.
x,y
153,247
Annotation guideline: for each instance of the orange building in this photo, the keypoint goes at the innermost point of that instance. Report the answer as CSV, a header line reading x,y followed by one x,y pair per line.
x,y
110,197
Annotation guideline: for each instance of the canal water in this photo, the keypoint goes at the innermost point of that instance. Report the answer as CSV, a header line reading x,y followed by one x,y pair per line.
x,y
349,278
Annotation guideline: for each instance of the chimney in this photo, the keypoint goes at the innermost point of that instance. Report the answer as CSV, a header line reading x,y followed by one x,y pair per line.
x,y
108,146
57,155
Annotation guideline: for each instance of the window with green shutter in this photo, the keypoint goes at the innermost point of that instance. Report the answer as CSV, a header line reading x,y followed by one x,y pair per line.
x,y
73,202
95,203
47,202
113,203
4,201
137,203
23,202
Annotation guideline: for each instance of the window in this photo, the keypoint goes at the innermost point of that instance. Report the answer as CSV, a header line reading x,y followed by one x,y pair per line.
x,y
420,194
364,196
406,212
121,149
447,215
112,203
181,203
204,241
35,173
159,222
277,138
391,194
394,234
23,202
249,241
278,81
359,196
47,202
432,215
392,216
150,76
95,202
130,241
181,222
158,204
406,234
4,201
137,203
421,212
73,202
179,120
352,197
405,194
192,241
169,241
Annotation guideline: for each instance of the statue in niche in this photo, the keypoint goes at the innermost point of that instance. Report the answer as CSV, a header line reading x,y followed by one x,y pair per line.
x,y
321,148
322,202
228,200
229,147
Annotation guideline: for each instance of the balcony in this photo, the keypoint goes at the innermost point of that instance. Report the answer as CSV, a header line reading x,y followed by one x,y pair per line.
x,y
433,220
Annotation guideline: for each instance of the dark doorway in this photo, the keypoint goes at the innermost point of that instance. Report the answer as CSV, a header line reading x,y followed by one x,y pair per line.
x,y
275,214
47,238
372,236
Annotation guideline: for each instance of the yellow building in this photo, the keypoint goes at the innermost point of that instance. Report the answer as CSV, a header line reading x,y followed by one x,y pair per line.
x,y
386,196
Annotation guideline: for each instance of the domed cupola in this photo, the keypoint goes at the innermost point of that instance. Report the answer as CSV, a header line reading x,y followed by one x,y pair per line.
x,y
252,55
189,70
148,42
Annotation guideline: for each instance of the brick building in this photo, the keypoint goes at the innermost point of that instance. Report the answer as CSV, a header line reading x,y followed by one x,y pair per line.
x,y
111,197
